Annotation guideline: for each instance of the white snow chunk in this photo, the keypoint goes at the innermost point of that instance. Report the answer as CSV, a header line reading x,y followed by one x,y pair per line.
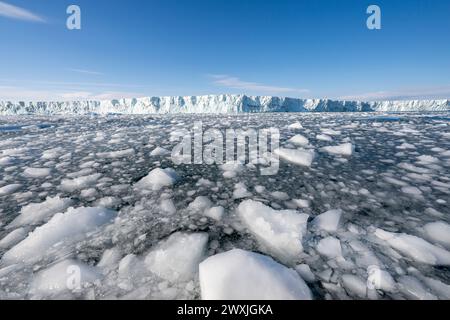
x,y
240,191
168,206
414,289
330,132
177,258
116,154
107,202
4,161
324,137
328,221
52,153
330,247
297,156
281,232
244,275
215,213
158,151
13,238
295,125
10,188
412,191
62,227
299,140
79,183
35,213
56,280
438,232
158,178
200,204
305,272
279,195
382,280
301,203
37,172
231,169
438,287
345,149
110,259
354,285
416,248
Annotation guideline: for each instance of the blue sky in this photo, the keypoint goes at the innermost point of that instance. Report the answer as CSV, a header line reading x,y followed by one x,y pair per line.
x,y
310,49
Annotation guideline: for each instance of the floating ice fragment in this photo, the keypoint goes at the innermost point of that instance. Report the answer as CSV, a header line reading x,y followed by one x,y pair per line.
x,y
345,149
297,156
157,179
35,213
299,140
177,258
73,224
62,278
330,247
244,275
328,221
416,248
438,232
37,172
280,232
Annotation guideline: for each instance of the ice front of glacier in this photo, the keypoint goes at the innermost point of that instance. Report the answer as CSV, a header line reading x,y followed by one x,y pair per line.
x,y
217,104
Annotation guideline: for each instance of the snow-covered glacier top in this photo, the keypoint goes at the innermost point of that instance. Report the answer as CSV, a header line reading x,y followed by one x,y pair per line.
x,y
217,104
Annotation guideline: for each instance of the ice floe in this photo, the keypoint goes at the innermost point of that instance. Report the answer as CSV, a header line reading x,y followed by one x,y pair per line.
x,y
280,232
243,275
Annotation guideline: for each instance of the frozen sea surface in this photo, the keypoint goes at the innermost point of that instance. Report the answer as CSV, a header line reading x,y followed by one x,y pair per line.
x,y
84,214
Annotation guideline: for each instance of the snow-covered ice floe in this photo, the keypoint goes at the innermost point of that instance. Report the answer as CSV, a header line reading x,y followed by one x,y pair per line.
x,y
357,209
243,275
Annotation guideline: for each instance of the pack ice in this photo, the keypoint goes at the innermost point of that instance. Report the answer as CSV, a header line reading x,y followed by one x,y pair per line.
x,y
356,209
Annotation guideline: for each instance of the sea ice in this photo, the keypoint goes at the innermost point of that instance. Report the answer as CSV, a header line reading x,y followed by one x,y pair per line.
x,y
438,232
10,188
416,248
243,275
297,156
280,232
345,149
62,227
328,221
62,278
157,179
37,172
35,213
177,258
79,183
299,140
330,247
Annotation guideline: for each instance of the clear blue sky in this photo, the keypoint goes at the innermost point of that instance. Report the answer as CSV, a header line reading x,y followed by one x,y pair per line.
x,y
296,48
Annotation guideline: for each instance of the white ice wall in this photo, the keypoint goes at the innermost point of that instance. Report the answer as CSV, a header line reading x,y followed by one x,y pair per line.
x,y
216,104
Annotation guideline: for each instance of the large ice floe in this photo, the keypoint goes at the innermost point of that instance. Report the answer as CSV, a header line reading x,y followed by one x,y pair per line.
x,y
93,207
243,275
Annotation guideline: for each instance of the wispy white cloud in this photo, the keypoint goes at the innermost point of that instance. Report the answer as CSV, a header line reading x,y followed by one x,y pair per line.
x,y
85,71
441,92
14,12
236,83
62,84
11,93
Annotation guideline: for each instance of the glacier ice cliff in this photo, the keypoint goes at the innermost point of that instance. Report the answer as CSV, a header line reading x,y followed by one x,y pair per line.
x,y
217,104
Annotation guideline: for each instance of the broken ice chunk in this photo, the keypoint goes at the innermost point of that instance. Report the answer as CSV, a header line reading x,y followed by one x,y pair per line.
x,y
244,275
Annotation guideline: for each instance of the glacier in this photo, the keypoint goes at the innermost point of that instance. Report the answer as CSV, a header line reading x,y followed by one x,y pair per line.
x,y
217,104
